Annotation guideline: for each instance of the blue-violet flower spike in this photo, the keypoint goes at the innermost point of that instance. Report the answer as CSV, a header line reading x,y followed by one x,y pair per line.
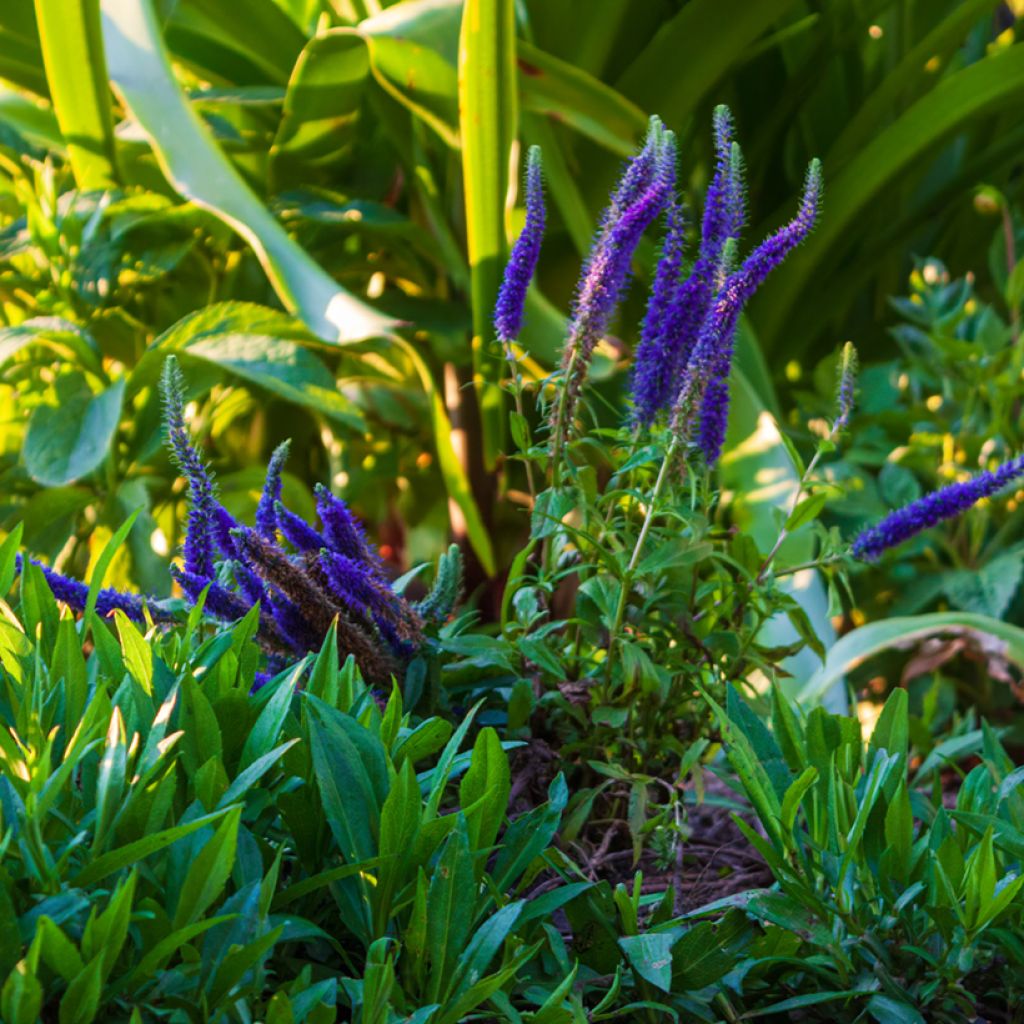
x,y
653,365
945,503
199,535
607,270
522,261
266,518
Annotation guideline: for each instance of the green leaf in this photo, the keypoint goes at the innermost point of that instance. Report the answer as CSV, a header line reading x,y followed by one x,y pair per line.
x,y
483,947
558,90
867,641
76,72
99,571
892,1011
209,871
485,787
140,71
262,346
136,652
68,441
108,863
759,470
650,956
807,511
321,115
892,730
350,799
451,903
988,589
488,122
452,470
268,726
22,996
690,52
82,998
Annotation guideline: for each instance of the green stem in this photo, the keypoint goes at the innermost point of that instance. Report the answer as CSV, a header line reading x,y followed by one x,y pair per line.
x,y
517,394
784,533
627,576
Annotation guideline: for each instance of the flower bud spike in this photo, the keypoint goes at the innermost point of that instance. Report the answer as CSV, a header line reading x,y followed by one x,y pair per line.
x,y
846,386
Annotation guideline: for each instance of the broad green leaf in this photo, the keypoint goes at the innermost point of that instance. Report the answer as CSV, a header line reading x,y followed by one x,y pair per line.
x,y
67,441
76,71
262,346
266,37
861,644
892,1011
557,89
321,107
650,956
209,871
140,71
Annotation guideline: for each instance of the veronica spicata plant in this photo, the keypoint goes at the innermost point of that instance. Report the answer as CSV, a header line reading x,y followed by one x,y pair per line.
x,y
636,589
303,578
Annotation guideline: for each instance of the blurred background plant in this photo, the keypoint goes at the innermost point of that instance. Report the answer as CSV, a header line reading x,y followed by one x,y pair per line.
x,y
315,164
944,404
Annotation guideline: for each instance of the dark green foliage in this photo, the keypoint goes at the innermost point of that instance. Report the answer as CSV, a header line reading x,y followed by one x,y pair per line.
x,y
896,902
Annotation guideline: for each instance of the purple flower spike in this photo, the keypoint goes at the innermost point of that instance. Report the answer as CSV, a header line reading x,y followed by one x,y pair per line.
x,y
343,532
720,217
266,518
652,370
645,190
297,530
711,360
933,508
522,261
75,594
661,364
220,601
198,546
224,524
357,586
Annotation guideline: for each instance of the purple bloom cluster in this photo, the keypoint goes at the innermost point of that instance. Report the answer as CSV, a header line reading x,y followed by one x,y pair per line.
x,y
945,503
326,576
704,392
677,308
522,261
685,353
645,190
